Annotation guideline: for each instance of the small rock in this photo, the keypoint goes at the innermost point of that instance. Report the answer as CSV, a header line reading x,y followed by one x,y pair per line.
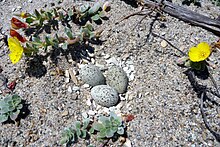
x,y
69,89
88,102
65,113
67,74
73,76
91,113
18,8
107,56
163,43
117,78
86,85
105,95
84,115
75,88
92,75
67,80
127,143
112,60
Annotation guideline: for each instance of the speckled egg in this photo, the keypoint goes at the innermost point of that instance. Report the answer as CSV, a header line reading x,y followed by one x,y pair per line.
x,y
117,78
92,75
105,95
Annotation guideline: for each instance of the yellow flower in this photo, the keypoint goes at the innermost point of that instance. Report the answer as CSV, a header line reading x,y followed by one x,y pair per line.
x,y
16,50
199,53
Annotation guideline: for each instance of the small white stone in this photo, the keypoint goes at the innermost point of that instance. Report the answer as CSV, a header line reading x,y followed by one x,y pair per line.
x,y
127,143
69,89
85,85
131,77
88,102
122,98
112,60
18,8
107,56
75,88
91,112
132,67
13,9
163,44
67,80
93,60
67,74
84,115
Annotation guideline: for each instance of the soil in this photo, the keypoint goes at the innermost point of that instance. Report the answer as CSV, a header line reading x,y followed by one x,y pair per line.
x,y
160,94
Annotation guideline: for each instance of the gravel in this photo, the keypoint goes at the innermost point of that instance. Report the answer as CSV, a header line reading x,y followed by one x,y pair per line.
x,y
159,93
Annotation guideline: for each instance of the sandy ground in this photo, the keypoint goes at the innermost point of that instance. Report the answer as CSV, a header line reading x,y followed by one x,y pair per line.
x,y
160,95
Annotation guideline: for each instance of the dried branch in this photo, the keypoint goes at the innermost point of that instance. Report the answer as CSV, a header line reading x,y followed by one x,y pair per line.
x,y
186,15
202,99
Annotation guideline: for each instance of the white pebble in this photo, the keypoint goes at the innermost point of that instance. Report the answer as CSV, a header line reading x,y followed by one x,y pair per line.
x,y
75,88
88,102
69,89
85,85
84,115
91,112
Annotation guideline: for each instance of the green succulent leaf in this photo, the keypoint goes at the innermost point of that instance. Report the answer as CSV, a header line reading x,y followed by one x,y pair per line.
x,y
36,39
89,27
114,128
29,20
95,17
109,133
91,130
4,109
37,14
65,46
101,134
120,130
70,12
83,133
2,104
16,99
95,8
103,118
20,106
102,14
78,132
84,8
98,126
86,123
14,115
107,123
3,118
49,15
78,124
68,33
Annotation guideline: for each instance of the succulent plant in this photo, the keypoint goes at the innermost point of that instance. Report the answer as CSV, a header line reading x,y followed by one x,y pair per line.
x,y
10,107
78,130
107,127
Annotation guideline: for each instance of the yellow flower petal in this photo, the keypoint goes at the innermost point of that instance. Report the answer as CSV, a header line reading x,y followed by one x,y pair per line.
x,y
16,49
199,53
194,54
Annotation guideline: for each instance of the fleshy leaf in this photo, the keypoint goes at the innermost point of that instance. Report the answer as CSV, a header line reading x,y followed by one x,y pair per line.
x,y
120,130
95,17
3,118
98,126
14,115
95,8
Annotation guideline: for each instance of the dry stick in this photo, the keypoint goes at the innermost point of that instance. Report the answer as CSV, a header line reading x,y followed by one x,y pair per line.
x,y
186,15
133,14
217,136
